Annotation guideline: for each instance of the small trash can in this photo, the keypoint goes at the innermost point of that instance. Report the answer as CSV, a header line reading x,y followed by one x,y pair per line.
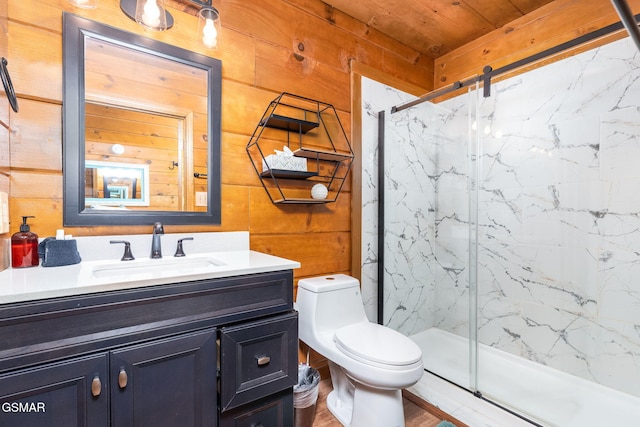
x,y
305,396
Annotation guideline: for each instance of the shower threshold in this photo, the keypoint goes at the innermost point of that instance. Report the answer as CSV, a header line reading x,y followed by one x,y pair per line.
x,y
545,395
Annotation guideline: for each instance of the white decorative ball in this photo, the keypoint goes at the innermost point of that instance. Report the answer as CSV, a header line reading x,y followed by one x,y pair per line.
x,y
319,191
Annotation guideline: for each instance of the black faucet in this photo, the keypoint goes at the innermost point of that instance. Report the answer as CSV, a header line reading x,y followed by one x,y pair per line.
x,y
156,248
179,250
128,255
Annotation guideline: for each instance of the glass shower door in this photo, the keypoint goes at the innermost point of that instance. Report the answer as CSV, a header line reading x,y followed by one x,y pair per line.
x,y
409,219
558,240
511,237
429,219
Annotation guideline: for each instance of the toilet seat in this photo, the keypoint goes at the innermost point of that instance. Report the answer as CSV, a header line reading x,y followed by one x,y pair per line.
x,y
377,345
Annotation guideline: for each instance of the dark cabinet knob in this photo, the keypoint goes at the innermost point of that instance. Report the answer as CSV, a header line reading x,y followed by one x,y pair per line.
x,y
123,379
96,386
263,360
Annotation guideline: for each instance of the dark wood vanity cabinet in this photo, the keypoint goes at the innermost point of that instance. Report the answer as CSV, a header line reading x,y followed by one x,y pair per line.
x,y
165,382
57,394
205,353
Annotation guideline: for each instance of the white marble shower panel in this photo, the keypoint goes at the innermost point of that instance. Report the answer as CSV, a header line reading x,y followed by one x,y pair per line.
x,y
620,287
563,214
620,144
500,214
409,223
559,217
557,337
376,98
578,149
451,303
450,146
410,156
519,162
584,346
620,340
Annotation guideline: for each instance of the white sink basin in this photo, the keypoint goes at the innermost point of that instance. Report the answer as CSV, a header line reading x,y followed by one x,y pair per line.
x,y
144,269
163,266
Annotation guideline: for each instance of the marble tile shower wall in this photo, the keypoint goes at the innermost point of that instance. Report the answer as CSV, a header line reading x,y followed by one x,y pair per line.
x,y
455,127
410,206
377,97
425,150
558,215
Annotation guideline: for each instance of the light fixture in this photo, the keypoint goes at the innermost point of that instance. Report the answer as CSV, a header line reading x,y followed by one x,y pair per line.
x,y
117,149
209,27
151,14
85,4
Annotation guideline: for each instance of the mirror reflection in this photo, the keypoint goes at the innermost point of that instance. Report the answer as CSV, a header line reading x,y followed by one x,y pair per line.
x,y
111,184
137,103
161,142
155,109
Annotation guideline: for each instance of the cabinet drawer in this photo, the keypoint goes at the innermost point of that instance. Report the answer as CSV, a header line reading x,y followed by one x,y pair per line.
x,y
257,359
270,412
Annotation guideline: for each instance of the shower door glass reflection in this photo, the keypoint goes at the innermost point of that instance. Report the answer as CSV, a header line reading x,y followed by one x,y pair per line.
x,y
512,234
558,241
429,170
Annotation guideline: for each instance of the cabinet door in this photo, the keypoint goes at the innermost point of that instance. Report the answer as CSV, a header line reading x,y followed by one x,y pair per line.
x,y
169,382
66,394
258,359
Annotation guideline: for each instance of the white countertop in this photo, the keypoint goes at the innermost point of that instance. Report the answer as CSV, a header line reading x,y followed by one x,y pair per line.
x,y
229,250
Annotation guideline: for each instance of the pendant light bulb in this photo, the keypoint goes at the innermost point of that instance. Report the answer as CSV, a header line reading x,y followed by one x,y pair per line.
x,y
84,4
151,14
209,34
209,27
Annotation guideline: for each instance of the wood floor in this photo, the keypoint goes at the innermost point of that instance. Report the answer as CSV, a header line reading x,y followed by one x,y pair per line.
x,y
417,412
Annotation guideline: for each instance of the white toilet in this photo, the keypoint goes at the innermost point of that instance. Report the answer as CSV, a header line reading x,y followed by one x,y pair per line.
x,y
369,363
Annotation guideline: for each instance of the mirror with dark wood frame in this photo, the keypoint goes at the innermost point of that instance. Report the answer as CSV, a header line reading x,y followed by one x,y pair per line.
x,y
131,100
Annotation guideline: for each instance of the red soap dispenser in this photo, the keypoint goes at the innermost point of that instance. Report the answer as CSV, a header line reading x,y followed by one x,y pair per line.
x,y
24,247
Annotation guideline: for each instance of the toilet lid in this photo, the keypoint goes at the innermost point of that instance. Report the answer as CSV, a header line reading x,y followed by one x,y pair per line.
x,y
376,343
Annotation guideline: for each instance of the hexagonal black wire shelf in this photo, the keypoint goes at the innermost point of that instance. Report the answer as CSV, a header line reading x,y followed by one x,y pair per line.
x,y
312,131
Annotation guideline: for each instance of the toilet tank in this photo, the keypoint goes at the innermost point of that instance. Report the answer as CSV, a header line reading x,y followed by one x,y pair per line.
x,y
329,302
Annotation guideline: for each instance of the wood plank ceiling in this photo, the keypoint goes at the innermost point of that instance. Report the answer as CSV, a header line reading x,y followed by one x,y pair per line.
x,y
436,27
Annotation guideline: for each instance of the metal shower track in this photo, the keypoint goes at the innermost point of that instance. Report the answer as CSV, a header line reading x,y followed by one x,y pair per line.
x,y
629,21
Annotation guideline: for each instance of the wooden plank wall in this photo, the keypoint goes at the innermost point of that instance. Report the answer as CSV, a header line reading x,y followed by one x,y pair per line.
x,y
298,46
551,25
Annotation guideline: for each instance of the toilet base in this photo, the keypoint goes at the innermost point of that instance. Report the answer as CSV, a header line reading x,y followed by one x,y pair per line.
x,y
369,408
